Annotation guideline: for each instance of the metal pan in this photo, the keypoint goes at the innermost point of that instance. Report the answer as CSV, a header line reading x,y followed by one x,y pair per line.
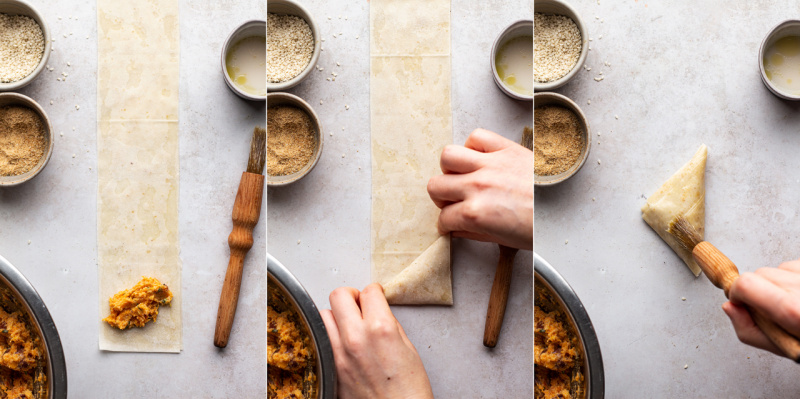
x,y
548,277
56,367
279,276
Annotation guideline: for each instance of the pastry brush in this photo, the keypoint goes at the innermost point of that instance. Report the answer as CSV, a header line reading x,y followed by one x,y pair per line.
x,y
246,211
722,273
498,299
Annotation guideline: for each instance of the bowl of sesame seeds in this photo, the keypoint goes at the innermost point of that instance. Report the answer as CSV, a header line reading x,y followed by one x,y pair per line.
x,y
293,44
560,44
24,44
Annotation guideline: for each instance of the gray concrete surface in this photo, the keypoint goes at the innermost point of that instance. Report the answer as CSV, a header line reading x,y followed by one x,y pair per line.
x,y
57,213
320,227
681,74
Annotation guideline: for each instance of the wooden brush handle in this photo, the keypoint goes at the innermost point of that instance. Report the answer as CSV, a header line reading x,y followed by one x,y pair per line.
x,y
722,272
716,266
499,296
246,212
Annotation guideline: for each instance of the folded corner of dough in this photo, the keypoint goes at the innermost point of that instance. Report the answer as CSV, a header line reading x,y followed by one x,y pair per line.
x,y
682,195
427,280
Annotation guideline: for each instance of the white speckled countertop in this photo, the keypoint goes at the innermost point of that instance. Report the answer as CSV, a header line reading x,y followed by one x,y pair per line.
x,y
57,213
320,227
681,74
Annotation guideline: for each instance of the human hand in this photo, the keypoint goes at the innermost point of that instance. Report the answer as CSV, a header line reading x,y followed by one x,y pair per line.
x,y
486,191
374,358
775,292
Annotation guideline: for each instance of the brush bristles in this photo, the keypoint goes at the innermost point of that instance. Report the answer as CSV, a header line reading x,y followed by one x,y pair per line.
x,y
685,233
527,138
258,151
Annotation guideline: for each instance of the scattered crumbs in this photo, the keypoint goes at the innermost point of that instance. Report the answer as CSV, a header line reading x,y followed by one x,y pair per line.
x,y
342,128
588,69
589,102
58,79
598,133
74,155
77,107
73,128
600,37
598,162
593,199
748,357
29,241
341,33
596,17
590,39
590,48
328,79
320,102
59,17
342,155
566,242
321,69
685,366
599,78
69,64
346,107
616,116
334,35
356,36
331,133
51,102
333,79
338,64
62,134
323,39
328,19
65,35
683,298
602,20
322,48
298,241
345,17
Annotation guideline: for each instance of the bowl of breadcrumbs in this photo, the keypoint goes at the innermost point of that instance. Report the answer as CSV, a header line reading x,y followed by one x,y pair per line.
x,y
294,139
26,139
561,140
25,44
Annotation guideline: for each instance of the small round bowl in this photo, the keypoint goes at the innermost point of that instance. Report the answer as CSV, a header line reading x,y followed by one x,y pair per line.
x,y
517,29
542,99
290,7
546,277
248,29
790,27
56,368
275,99
19,7
7,99
281,279
559,7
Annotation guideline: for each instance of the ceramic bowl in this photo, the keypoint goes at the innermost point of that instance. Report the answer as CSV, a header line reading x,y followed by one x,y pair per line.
x,y
790,27
55,369
282,280
248,29
7,99
542,99
547,278
290,7
559,7
20,7
275,99
516,29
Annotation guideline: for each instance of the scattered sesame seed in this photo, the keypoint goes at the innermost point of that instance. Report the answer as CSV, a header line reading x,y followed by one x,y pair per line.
x,y
338,64
600,37
29,241
599,78
598,162
566,242
342,128
69,64
683,298
51,102
592,199
356,36
77,107
589,102
320,102
616,116
342,155
685,366
346,107
74,155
